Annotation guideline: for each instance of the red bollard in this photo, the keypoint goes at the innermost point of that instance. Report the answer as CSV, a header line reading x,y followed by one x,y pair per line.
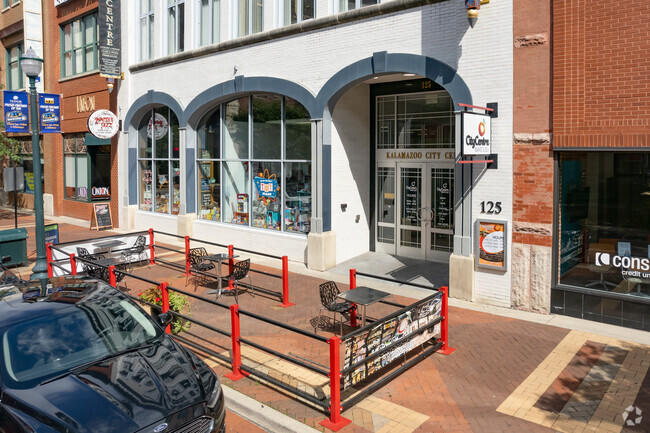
x,y
187,256
444,331
353,285
73,264
236,346
231,261
112,278
151,249
165,302
48,254
285,283
335,422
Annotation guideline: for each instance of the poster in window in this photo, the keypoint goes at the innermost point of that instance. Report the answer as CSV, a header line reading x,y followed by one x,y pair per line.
x,y
491,241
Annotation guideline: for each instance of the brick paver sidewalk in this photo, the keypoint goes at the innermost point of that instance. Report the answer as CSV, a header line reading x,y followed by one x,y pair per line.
x,y
506,375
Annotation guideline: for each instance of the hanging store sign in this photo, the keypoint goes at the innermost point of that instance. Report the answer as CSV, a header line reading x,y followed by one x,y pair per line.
x,y
477,134
103,124
157,126
49,113
16,112
491,239
109,38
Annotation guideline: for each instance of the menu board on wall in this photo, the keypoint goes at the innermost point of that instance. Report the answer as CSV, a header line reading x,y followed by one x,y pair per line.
x,y
385,333
491,241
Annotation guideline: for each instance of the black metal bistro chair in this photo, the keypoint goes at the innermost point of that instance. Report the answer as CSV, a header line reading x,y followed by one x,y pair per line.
x,y
137,253
91,270
328,296
198,264
239,272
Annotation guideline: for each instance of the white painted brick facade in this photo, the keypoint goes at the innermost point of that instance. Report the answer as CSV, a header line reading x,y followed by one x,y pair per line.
x,y
483,57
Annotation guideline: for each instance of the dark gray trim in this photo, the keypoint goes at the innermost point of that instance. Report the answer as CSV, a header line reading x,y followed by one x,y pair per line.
x,y
190,184
600,149
326,187
241,85
603,294
133,175
384,63
150,100
282,32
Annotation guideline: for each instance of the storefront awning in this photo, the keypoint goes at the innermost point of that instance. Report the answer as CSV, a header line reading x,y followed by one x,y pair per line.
x,y
91,140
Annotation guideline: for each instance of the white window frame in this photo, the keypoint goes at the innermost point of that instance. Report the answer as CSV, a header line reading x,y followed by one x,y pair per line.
x,y
177,48
149,16
249,31
300,4
357,5
213,22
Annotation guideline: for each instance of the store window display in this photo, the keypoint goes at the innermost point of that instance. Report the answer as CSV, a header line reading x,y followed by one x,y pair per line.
x,y
254,146
159,163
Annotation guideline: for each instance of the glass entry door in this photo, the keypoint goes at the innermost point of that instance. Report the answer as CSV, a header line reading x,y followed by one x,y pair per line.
x,y
415,210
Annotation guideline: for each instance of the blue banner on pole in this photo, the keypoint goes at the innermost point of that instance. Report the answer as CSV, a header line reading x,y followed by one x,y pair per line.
x,y
16,112
49,112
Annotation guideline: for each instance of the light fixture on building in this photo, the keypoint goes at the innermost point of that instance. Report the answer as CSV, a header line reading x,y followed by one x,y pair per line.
x,y
408,74
110,83
472,7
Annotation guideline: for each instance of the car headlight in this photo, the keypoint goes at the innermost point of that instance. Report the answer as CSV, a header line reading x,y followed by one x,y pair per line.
x,y
214,395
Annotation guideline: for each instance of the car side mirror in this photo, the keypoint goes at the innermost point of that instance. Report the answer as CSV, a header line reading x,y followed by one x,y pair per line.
x,y
165,319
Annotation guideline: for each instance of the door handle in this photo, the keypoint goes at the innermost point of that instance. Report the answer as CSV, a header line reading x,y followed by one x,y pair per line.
x,y
433,214
417,214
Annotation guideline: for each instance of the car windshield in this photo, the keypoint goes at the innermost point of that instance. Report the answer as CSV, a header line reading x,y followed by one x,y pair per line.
x,y
46,346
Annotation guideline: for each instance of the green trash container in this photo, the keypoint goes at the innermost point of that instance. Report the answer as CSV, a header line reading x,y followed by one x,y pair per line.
x,y
13,243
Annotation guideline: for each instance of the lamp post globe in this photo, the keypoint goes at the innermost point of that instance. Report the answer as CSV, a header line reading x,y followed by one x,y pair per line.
x,y
32,65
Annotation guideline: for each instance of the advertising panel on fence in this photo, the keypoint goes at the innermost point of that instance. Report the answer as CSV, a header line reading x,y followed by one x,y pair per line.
x,y
16,112
49,112
491,238
387,332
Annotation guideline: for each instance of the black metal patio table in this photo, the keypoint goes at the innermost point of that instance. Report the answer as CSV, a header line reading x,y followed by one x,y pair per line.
x,y
218,258
363,296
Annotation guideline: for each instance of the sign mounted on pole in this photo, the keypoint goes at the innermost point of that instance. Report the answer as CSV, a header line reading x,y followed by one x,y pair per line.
x,y
49,112
110,41
477,134
16,112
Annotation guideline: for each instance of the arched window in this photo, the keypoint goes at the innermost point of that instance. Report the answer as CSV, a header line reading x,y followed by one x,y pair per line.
x,y
158,162
254,163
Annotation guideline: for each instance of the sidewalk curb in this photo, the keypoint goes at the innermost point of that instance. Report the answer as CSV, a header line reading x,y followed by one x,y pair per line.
x,y
261,415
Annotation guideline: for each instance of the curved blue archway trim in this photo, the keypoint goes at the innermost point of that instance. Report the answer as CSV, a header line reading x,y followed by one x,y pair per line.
x,y
153,98
380,63
207,99
383,63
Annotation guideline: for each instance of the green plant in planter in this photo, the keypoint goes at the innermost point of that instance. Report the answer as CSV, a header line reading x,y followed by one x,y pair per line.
x,y
177,302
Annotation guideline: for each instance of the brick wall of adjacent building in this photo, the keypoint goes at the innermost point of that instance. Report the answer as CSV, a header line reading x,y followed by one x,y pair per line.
x,y
89,85
532,156
600,64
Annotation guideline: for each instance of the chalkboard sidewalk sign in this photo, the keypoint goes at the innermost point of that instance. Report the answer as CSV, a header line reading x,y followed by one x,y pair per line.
x,y
101,216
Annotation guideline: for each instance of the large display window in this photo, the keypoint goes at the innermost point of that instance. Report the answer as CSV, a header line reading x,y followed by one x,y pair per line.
x,y
158,162
259,148
604,245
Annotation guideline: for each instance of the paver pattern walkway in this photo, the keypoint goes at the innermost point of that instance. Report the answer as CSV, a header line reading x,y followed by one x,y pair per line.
x,y
506,375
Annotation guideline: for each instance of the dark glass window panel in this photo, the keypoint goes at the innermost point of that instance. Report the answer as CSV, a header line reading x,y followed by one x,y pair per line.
x,y
612,311
298,130
557,301
159,131
236,129
573,304
267,127
209,136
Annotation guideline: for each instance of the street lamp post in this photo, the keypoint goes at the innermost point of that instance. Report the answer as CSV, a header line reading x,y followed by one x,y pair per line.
x,y
32,65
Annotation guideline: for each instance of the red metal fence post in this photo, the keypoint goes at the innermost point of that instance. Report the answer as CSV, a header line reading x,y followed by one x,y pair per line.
x,y
112,278
48,254
187,255
285,283
73,264
152,260
236,346
444,331
335,422
231,261
353,285
165,302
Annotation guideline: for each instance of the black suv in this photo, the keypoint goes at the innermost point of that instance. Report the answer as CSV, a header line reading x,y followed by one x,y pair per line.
x,y
77,355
